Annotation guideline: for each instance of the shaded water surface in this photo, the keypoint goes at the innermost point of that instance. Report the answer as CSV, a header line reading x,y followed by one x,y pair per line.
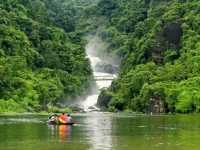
x,y
101,131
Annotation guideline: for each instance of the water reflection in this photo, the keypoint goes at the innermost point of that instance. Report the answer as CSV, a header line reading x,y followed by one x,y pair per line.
x,y
61,131
98,130
64,132
53,130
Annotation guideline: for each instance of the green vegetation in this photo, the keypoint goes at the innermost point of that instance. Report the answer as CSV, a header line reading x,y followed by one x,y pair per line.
x,y
42,60
42,57
159,43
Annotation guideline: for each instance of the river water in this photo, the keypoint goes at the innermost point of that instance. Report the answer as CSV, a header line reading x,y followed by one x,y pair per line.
x,y
101,131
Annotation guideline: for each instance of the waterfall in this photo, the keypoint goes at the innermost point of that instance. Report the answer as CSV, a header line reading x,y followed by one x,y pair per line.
x,y
103,78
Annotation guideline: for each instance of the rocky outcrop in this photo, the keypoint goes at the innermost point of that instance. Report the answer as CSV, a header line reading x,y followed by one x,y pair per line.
x,y
157,105
172,33
104,99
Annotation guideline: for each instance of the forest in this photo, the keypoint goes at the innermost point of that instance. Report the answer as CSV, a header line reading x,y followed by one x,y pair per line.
x,y
158,41
43,60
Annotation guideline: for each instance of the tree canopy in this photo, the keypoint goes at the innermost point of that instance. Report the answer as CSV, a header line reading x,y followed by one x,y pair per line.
x,y
158,42
42,60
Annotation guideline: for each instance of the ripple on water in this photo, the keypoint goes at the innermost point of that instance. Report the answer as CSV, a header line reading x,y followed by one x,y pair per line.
x,y
19,120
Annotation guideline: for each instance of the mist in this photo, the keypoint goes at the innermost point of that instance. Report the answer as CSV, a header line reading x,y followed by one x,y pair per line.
x,y
103,69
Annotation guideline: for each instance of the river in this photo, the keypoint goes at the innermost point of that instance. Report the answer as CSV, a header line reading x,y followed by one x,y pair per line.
x,y
101,131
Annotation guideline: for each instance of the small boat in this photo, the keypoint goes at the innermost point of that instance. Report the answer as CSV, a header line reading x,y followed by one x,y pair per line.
x,y
53,122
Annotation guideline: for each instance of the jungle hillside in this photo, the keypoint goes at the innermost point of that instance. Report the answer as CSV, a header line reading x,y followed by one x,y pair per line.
x,y
43,60
159,43
42,57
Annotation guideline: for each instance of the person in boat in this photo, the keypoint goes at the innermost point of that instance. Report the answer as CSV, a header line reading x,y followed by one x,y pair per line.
x,y
70,120
53,118
63,118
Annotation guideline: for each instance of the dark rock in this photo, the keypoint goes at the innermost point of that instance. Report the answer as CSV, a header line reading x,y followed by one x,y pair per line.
x,y
108,68
157,105
172,33
76,108
104,99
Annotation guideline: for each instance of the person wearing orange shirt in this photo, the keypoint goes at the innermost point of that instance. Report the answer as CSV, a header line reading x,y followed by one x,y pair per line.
x,y
63,119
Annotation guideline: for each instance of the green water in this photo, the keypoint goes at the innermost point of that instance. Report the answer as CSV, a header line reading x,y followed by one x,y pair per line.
x,y
98,131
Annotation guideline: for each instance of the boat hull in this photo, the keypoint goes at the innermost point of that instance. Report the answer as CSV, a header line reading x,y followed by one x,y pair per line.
x,y
59,123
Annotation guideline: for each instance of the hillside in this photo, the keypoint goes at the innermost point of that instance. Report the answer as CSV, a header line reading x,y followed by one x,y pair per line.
x,y
158,41
42,58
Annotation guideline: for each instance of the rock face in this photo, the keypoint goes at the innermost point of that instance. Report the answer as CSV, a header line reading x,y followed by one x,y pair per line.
x,y
108,68
157,106
172,33
169,37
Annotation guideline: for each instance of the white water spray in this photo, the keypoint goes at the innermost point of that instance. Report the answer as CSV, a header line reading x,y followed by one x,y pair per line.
x,y
102,78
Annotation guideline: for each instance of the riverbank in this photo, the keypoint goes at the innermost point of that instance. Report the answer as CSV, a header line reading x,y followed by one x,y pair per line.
x,y
50,110
124,114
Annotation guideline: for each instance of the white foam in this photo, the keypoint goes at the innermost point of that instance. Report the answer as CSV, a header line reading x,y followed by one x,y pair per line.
x,y
105,78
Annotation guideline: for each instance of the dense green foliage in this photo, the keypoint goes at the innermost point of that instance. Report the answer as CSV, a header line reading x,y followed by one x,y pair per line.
x,y
159,43
42,58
